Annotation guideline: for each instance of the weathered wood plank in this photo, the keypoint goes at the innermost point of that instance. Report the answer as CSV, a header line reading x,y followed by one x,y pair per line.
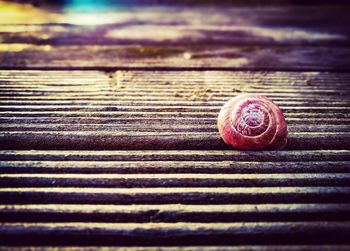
x,y
288,101
199,155
292,114
208,57
190,26
173,180
27,125
173,213
249,38
168,120
231,38
156,140
164,195
169,87
157,166
299,94
175,234
109,110
165,81
173,197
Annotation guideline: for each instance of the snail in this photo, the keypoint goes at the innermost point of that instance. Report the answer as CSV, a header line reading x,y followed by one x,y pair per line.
x,y
252,122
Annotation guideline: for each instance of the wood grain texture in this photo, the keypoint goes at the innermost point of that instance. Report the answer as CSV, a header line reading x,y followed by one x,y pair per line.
x,y
121,149
173,213
177,25
323,165
290,58
155,37
168,234
188,195
173,180
174,155
177,110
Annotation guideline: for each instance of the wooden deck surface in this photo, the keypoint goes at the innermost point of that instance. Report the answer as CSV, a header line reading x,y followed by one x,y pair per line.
x,y
108,128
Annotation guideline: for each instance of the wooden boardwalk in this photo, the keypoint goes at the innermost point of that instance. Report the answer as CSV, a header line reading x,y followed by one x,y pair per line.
x,y
108,130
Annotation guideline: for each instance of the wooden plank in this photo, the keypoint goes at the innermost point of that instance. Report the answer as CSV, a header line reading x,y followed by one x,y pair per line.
x,y
175,234
202,57
157,140
232,38
174,155
183,35
114,109
163,195
173,180
167,120
156,127
207,122
165,117
165,82
200,197
35,165
317,113
173,213
190,26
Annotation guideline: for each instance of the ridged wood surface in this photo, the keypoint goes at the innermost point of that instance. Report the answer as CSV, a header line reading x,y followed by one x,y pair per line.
x,y
163,110
108,137
226,37
167,177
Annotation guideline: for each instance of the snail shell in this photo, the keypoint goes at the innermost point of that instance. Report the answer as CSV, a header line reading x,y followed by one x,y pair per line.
x,y
252,122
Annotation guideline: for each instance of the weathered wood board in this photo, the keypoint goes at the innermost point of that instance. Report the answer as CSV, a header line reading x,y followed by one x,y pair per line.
x,y
131,195
272,38
201,57
108,128
163,110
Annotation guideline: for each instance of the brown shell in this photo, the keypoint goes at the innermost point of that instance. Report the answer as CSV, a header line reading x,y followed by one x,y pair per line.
x,y
252,122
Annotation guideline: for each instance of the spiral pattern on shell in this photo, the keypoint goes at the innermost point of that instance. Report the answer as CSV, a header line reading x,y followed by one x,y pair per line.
x,y
252,122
